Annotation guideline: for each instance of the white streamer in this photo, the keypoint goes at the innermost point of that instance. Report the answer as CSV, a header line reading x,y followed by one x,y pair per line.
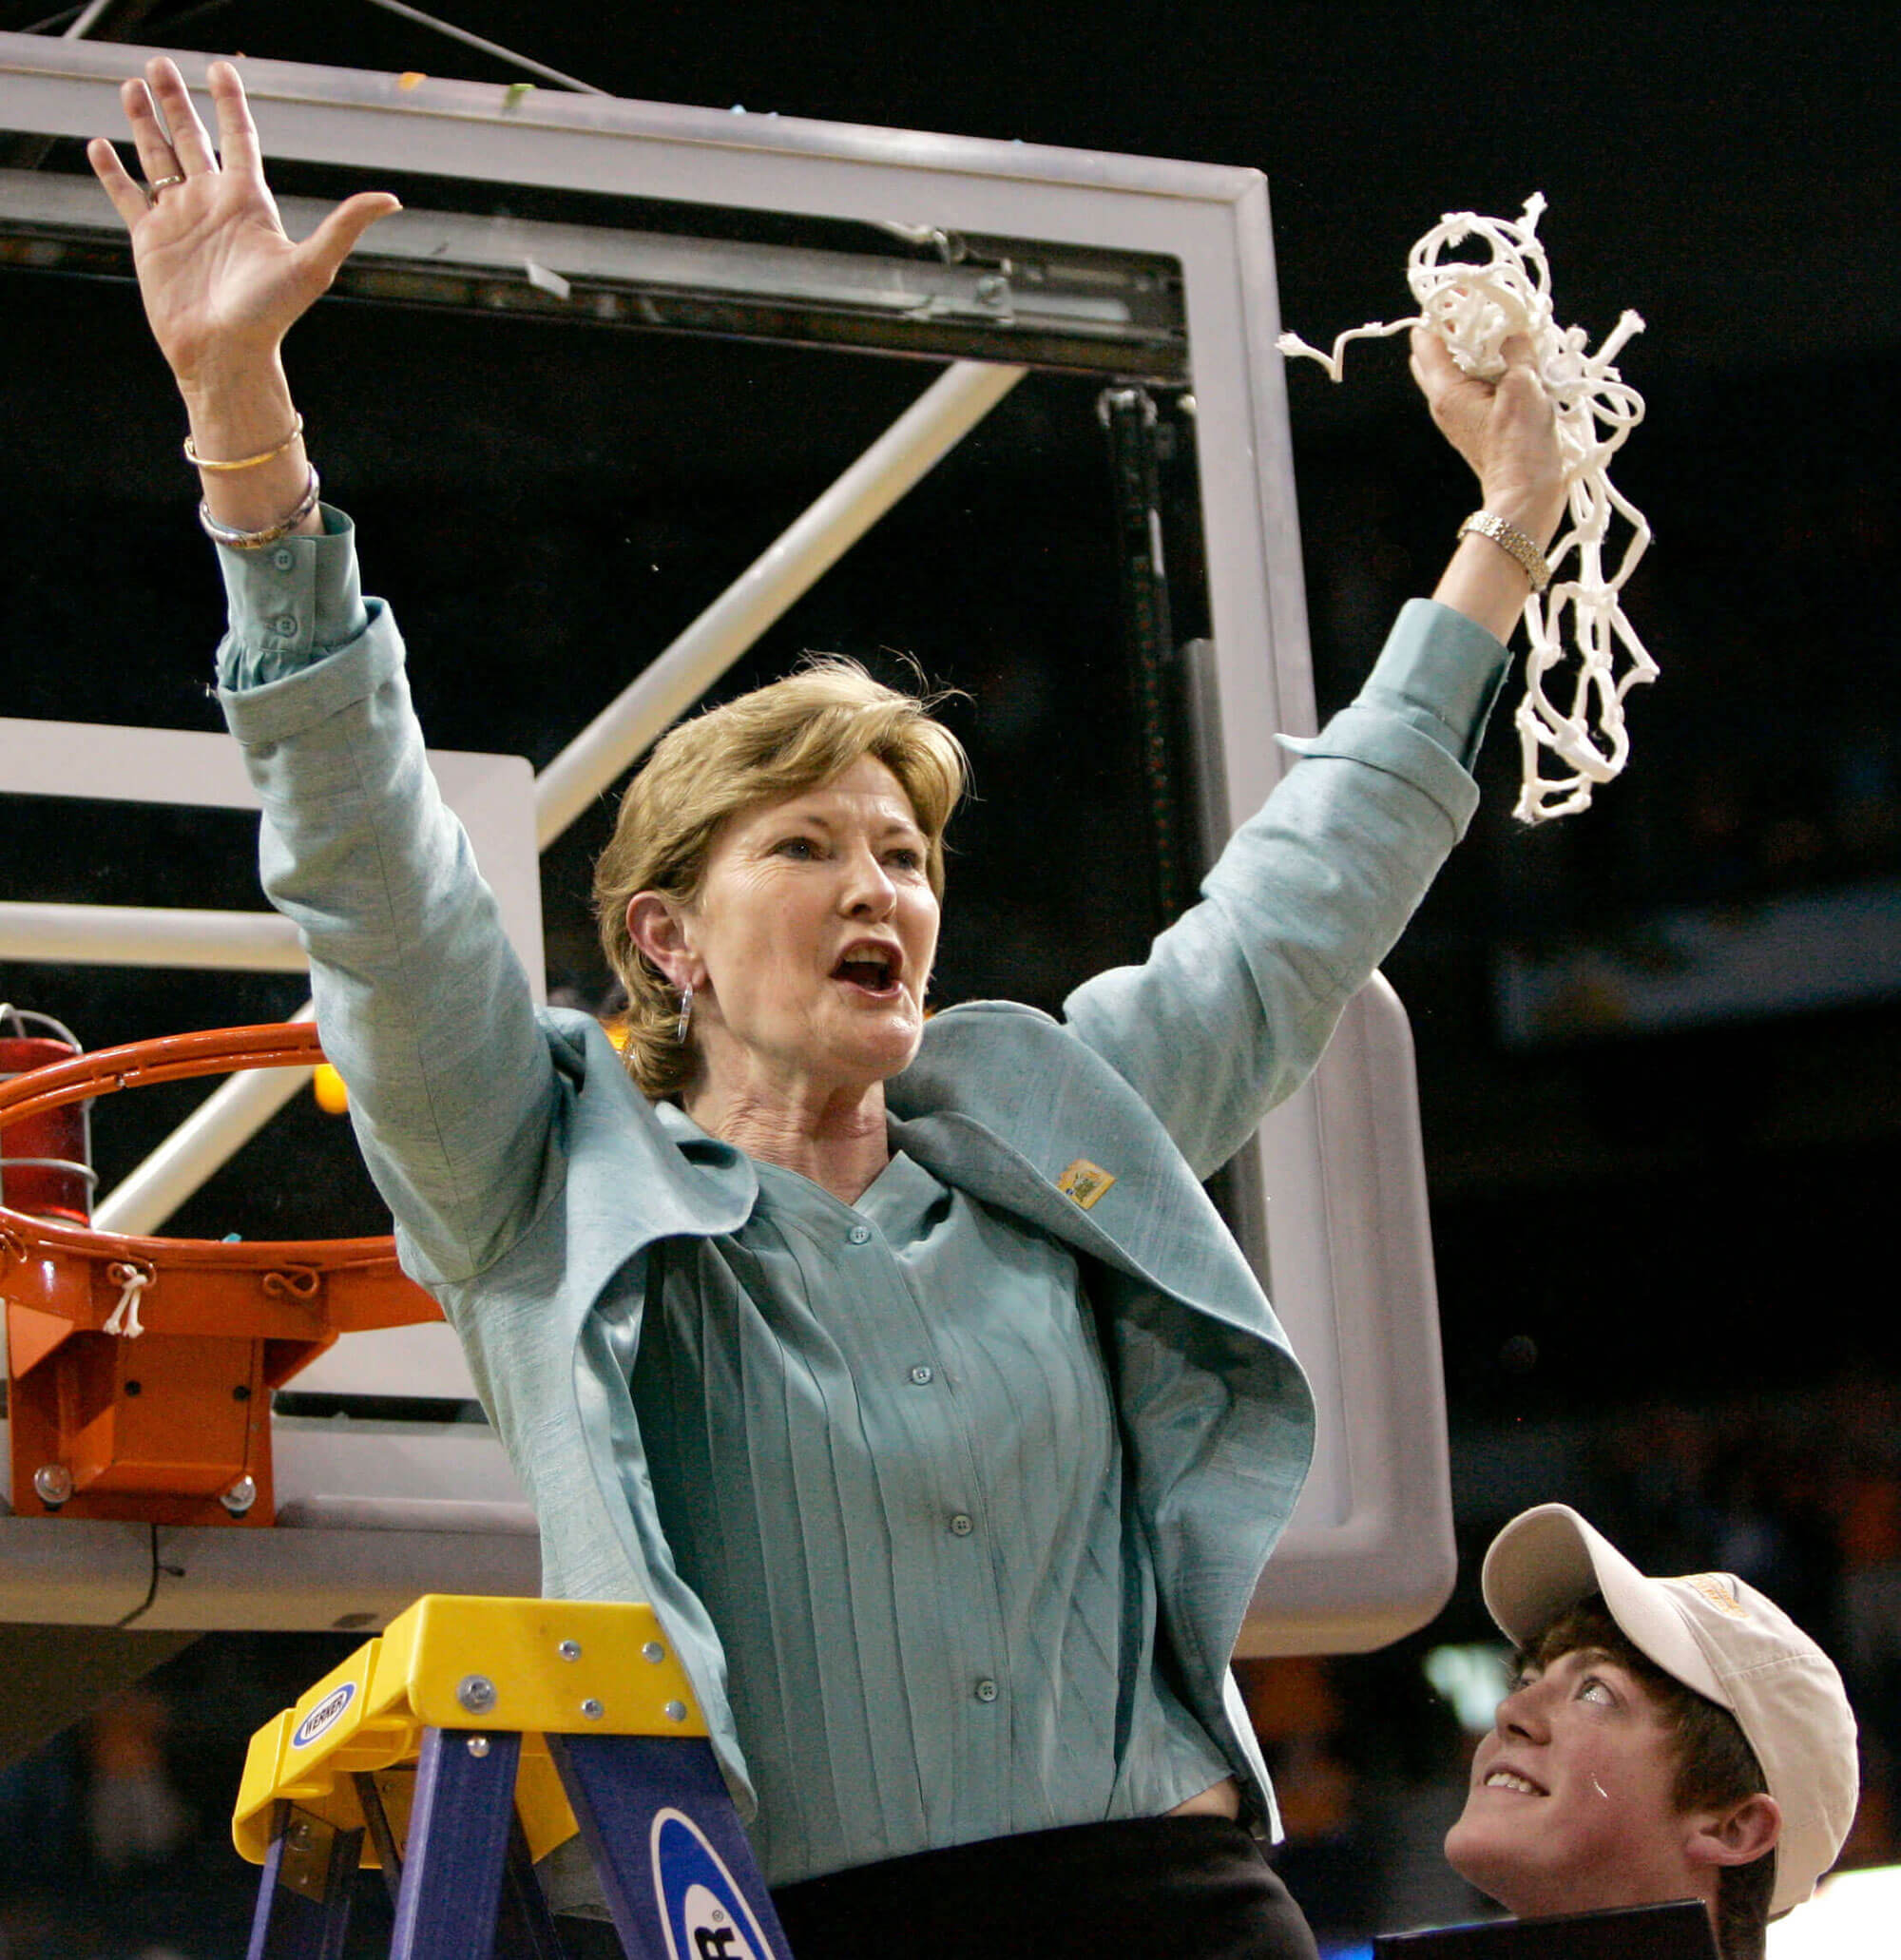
x,y
1477,308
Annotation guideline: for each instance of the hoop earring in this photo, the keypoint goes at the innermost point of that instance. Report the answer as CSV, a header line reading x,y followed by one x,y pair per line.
x,y
685,1015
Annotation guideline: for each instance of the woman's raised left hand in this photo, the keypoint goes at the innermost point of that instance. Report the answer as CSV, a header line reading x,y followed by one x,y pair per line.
x,y
1508,430
1505,430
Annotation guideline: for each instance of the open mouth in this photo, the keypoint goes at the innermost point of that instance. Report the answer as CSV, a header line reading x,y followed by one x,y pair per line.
x,y
1510,1779
872,969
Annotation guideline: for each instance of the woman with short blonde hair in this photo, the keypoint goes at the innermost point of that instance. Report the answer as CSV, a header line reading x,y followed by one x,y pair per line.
x,y
791,735
907,1370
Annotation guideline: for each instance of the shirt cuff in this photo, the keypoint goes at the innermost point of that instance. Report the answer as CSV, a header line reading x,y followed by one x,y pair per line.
x,y
291,604
1441,672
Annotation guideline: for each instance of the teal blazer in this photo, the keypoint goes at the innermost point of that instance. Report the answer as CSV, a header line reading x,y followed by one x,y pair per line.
x,y
528,1178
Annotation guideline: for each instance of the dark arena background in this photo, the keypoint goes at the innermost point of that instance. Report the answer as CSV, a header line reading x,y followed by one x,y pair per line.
x,y
1658,1044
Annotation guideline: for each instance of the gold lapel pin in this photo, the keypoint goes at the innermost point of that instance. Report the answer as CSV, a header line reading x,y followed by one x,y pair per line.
x,y
1084,1181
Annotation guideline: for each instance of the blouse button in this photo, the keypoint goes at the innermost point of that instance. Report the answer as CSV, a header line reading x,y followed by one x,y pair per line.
x,y
283,558
286,623
961,1525
921,1375
859,1235
987,1690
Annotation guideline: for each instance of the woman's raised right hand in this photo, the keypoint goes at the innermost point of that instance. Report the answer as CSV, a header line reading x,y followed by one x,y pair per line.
x,y
222,282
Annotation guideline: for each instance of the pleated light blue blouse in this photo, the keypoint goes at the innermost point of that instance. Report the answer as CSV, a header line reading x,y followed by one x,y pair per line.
x,y
884,1452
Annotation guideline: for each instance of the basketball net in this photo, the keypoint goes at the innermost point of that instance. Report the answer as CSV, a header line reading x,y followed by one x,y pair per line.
x,y
1476,307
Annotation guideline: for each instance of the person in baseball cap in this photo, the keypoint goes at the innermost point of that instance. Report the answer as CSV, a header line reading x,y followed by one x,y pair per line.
x,y
1664,1738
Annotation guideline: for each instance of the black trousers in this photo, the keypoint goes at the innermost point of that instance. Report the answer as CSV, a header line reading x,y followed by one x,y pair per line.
x,y
1150,1889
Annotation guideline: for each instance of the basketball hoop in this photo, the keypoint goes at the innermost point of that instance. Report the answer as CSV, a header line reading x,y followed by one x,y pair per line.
x,y
141,1368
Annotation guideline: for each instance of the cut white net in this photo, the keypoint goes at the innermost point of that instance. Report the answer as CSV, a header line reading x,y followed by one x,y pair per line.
x,y
1476,307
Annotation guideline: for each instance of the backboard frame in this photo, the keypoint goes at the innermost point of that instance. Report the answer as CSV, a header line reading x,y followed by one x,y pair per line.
x,y
1344,1239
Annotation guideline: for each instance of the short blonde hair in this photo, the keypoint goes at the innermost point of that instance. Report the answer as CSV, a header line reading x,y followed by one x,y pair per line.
x,y
775,743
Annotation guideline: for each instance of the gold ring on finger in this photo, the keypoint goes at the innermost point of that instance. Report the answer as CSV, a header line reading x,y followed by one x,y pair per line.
x,y
164,183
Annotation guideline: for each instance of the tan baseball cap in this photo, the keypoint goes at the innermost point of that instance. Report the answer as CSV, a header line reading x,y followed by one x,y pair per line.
x,y
1723,1638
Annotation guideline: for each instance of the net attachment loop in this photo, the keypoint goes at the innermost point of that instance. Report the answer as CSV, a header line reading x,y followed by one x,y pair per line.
x,y
132,1282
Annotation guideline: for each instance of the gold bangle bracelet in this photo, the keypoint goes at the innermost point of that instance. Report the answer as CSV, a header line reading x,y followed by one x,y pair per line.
x,y
198,462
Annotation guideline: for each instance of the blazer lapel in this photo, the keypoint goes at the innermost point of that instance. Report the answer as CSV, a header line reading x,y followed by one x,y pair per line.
x,y
994,1070
961,1151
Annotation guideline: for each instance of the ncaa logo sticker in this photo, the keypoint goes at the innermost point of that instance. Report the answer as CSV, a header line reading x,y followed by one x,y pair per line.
x,y
324,1717
704,1914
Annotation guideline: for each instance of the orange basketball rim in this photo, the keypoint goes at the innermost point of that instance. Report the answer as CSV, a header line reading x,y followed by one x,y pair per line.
x,y
141,1368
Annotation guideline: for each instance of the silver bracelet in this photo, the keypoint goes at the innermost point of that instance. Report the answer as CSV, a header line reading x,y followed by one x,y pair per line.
x,y
257,540
1508,537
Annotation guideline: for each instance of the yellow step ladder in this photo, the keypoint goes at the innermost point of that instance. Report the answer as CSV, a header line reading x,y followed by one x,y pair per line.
x,y
472,1736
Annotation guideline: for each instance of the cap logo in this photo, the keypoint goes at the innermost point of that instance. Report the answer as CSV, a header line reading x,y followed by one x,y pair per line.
x,y
1717,1587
